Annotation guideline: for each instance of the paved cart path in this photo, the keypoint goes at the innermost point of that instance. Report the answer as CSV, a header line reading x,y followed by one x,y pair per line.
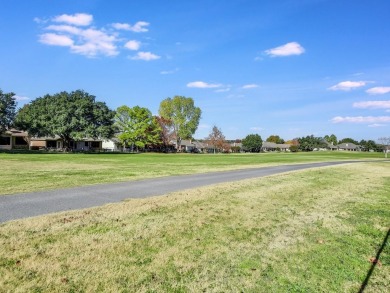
x,y
26,205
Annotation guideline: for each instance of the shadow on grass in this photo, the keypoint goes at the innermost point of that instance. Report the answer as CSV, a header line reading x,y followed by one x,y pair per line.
x,y
374,263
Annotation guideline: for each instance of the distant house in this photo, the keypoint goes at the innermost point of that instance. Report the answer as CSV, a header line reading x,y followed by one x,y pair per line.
x,y
271,147
13,139
112,145
16,139
349,146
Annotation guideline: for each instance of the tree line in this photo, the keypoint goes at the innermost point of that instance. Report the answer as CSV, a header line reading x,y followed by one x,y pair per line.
x,y
77,115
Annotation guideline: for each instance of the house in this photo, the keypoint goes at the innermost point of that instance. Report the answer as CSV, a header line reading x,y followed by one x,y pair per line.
x,y
271,146
13,139
112,145
16,139
348,146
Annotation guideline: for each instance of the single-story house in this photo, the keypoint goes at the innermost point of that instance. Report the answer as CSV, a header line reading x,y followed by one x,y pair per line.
x,y
271,146
348,146
16,139
13,139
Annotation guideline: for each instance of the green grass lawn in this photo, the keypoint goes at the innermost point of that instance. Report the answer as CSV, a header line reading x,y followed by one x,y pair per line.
x,y
315,230
35,171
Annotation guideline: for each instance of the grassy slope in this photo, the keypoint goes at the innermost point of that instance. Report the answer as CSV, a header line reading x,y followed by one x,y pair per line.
x,y
32,172
307,231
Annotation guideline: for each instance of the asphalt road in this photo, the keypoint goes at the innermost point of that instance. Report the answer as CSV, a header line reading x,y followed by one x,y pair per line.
x,y
26,205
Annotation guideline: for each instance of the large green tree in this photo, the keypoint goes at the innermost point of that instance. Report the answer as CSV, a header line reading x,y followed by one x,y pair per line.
x,y
71,116
183,115
7,110
348,140
136,127
332,139
275,139
311,142
252,143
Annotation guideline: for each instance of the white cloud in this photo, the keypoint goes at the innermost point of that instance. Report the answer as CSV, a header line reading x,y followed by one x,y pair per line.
x,y
146,56
79,19
139,27
377,125
250,86
133,45
288,49
223,90
256,128
347,85
203,85
20,98
169,71
64,29
56,40
378,90
372,105
75,31
361,119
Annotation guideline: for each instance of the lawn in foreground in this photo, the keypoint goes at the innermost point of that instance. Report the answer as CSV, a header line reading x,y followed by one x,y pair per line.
x,y
33,172
308,231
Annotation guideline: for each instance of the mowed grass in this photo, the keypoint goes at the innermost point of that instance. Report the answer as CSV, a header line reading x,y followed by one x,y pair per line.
x,y
34,172
316,230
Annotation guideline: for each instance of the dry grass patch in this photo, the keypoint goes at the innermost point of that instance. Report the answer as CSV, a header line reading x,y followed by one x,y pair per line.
x,y
307,231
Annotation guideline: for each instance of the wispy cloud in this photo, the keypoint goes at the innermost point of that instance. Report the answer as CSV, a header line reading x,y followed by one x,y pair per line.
x,y
250,86
347,85
139,27
372,105
377,125
169,71
203,85
361,119
256,128
79,19
146,56
288,49
20,98
378,90
224,90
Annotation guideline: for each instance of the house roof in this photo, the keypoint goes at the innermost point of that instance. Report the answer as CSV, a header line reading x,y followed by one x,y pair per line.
x,y
16,133
267,144
347,145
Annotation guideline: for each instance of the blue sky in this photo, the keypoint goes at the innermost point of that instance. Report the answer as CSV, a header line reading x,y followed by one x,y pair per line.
x,y
290,68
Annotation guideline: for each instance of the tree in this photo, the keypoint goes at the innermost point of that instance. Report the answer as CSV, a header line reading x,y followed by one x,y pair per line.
x,y
385,141
332,139
71,116
184,116
275,139
348,140
311,142
216,139
166,130
7,110
136,126
368,145
252,143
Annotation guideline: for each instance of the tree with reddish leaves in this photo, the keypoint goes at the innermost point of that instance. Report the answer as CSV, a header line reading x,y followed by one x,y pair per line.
x,y
217,140
167,134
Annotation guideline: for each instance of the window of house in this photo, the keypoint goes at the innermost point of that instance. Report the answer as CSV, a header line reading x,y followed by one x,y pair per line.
x,y
95,144
5,140
51,144
20,141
